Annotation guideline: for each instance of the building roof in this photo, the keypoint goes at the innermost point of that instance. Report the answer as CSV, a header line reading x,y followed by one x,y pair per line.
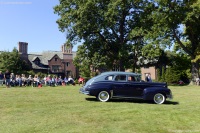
x,y
44,57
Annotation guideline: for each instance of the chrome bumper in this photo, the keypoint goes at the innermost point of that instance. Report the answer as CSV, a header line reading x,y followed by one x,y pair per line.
x,y
170,96
84,92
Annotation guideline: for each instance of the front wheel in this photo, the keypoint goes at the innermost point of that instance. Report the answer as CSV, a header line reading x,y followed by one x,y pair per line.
x,y
159,98
103,96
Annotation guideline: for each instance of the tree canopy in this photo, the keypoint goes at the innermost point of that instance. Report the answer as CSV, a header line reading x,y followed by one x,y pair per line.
x,y
111,29
176,23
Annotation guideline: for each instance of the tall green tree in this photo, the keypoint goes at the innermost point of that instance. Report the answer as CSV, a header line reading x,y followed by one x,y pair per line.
x,y
109,28
178,67
82,62
12,62
177,23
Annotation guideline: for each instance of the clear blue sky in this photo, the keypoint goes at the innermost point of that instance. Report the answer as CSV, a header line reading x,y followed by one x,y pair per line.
x,y
31,21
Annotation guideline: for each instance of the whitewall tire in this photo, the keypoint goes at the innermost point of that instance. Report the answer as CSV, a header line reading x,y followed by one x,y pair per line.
x,y
159,98
103,96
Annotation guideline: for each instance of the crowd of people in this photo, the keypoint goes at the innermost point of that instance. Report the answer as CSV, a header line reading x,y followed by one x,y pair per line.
x,y
10,79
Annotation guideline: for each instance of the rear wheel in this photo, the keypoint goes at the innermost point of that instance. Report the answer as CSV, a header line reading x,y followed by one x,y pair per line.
x,y
103,96
159,98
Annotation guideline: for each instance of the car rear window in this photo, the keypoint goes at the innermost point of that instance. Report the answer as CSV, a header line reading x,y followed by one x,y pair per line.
x,y
110,77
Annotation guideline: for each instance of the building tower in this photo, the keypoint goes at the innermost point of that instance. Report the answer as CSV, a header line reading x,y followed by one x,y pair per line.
x,y
23,50
66,48
23,47
68,60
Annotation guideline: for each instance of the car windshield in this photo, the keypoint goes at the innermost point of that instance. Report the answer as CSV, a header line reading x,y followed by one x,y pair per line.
x,y
137,77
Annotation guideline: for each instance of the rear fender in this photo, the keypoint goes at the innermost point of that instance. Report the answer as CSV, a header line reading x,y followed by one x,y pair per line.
x,y
95,92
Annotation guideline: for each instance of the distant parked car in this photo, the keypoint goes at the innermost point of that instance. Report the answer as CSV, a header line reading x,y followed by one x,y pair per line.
x,y
110,85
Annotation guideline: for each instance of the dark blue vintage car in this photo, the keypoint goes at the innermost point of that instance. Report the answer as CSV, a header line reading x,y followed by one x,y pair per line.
x,y
110,85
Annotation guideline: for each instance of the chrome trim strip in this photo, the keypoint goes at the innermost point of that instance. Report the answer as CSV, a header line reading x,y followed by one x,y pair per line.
x,y
111,93
127,97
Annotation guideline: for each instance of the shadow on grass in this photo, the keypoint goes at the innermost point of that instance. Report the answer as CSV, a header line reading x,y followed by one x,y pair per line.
x,y
172,102
178,84
139,101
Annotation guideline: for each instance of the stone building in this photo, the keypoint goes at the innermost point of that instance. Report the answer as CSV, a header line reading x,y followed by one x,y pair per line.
x,y
59,63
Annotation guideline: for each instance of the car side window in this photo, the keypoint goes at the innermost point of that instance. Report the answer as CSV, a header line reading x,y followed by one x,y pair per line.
x,y
120,78
131,78
110,77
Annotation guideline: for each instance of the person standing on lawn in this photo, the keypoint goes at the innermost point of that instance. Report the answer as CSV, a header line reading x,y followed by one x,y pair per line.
x,y
1,78
7,78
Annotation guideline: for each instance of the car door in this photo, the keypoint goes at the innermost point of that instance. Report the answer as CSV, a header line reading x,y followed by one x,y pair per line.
x,y
135,89
120,87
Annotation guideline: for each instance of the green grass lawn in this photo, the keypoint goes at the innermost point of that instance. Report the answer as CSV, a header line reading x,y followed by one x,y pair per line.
x,y
63,109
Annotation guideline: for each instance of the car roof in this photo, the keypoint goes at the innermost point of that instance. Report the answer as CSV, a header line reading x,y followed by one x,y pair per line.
x,y
119,72
98,77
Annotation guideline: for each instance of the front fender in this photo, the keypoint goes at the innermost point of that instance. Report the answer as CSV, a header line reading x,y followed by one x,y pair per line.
x,y
149,92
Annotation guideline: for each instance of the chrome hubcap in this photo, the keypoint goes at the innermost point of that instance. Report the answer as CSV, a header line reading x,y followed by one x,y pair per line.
x,y
158,98
103,96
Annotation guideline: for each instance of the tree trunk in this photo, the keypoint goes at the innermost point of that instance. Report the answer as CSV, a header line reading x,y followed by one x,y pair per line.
x,y
194,72
121,66
134,66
